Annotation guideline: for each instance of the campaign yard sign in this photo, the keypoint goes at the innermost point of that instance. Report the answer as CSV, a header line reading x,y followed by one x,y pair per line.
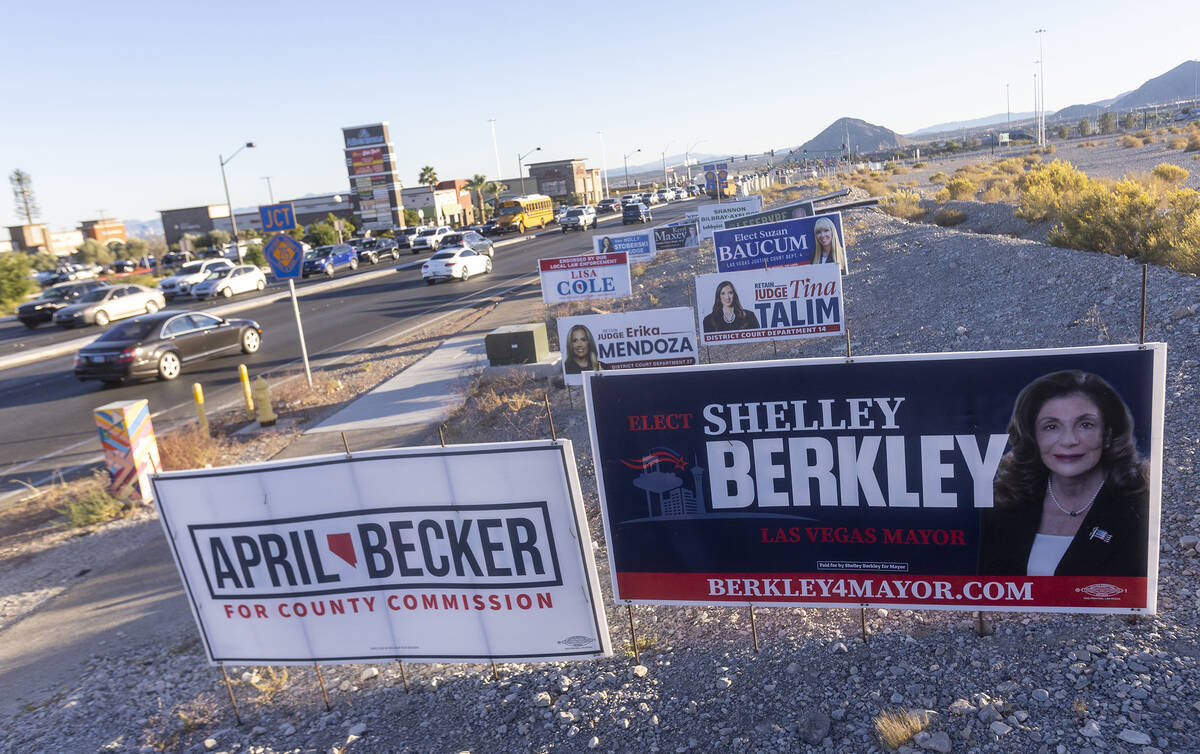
x,y
638,245
626,340
780,243
887,480
682,235
584,277
763,304
802,208
455,554
712,217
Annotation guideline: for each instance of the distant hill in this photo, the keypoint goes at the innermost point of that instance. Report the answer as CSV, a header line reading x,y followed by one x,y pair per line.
x,y
976,123
864,137
1180,83
143,228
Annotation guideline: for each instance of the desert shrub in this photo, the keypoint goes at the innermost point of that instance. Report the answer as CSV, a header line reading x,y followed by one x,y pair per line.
x,y
1148,141
942,196
961,188
998,190
939,177
1169,173
824,186
1142,134
1047,189
1161,132
919,165
1031,159
1129,141
1193,142
15,284
949,217
1048,149
1173,236
1113,220
897,727
189,448
93,504
903,204
1178,143
1010,165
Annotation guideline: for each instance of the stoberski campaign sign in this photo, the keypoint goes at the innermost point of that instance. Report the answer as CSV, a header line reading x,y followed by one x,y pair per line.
x,y
887,480
779,243
588,276
626,340
463,553
712,217
680,235
639,245
780,302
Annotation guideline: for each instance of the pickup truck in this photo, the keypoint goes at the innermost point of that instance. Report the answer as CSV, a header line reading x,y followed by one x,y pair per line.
x,y
579,218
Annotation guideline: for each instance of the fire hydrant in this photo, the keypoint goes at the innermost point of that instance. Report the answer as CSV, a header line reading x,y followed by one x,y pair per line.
x,y
262,403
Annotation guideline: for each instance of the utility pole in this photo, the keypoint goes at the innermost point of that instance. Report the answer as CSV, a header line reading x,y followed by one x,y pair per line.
x,y
1042,71
496,150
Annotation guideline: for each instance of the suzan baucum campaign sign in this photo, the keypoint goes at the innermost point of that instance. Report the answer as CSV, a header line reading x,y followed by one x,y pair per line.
x,y
780,302
807,240
584,277
462,553
1020,480
626,340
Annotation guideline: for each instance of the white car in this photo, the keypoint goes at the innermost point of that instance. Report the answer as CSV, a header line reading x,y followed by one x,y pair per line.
x,y
579,218
180,284
666,195
224,283
458,263
429,238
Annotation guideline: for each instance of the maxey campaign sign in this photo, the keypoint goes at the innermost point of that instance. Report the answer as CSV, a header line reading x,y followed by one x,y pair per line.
x,y
780,243
464,553
588,276
626,340
1022,480
776,303
638,245
676,236
712,217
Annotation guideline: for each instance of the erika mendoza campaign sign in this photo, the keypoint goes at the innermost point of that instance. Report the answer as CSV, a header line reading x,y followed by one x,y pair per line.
x,y
712,217
462,553
807,240
638,245
584,277
1021,480
780,302
626,340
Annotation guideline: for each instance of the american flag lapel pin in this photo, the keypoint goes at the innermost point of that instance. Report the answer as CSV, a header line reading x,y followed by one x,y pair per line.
x,y
1100,534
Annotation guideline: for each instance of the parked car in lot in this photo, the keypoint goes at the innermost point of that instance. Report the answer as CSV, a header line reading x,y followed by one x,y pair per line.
x,y
635,213
649,197
469,239
460,263
429,238
224,283
66,273
176,258
160,344
608,205
107,303
180,284
405,236
326,260
43,308
666,195
579,218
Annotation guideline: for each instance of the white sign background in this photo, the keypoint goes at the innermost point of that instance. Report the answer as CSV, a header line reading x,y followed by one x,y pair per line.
x,y
399,616
638,244
713,216
634,340
584,277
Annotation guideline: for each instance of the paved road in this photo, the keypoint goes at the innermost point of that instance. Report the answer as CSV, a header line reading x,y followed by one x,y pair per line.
x,y
49,426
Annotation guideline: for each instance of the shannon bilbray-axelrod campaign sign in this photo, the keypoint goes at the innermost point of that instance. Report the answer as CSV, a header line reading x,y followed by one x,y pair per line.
x,y
588,276
1023,480
808,240
712,217
462,553
626,340
780,302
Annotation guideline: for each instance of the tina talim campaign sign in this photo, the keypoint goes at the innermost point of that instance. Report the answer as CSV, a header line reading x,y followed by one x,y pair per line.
x,y
464,553
809,240
584,277
1022,480
781,302
626,340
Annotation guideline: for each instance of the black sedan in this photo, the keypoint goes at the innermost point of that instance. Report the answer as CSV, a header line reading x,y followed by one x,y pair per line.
x,y
160,344
42,309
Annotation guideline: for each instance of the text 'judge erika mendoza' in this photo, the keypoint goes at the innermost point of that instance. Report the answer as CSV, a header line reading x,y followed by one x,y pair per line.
x,y
746,473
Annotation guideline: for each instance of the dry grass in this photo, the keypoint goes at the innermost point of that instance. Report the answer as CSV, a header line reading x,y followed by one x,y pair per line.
x,y
950,217
91,503
509,406
1178,143
166,731
1193,143
897,727
939,178
189,448
903,204
268,682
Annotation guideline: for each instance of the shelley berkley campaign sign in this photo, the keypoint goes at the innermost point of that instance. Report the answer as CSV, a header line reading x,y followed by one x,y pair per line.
x,y
463,553
626,340
639,245
1023,480
676,236
780,302
808,240
588,276
713,217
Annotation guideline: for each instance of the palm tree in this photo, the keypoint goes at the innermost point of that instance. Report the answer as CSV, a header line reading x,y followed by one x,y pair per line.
x,y
494,188
428,176
476,184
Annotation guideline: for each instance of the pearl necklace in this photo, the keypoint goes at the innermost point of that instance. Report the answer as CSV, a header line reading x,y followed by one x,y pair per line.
x,y
1072,514
729,318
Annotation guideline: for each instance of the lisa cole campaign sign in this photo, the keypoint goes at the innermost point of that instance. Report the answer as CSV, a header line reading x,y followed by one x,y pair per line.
x,y
626,340
1021,480
712,217
589,276
463,553
639,245
679,235
780,302
809,240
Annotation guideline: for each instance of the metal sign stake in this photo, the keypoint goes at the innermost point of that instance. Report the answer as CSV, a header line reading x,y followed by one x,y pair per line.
x,y
632,636
550,416
236,715
1142,336
754,629
862,617
321,680
403,677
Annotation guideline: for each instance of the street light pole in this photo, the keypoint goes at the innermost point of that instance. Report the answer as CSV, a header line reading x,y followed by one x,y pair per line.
x,y
270,193
495,149
228,203
687,161
1042,71
604,162
521,165
664,162
626,159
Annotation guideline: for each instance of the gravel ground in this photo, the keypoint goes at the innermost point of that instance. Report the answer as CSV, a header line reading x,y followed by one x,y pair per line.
x,y
1039,683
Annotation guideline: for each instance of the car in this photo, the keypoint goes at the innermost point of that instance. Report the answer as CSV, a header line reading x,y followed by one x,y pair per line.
x,y
630,199
649,198
66,273
635,213
176,258
387,248
681,193
560,213
42,309
490,228
241,278
210,254
459,263
371,250
160,344
110,302
469,239
429,238
666,195
579,218
180,284
325,260
405,236
123,265
608,205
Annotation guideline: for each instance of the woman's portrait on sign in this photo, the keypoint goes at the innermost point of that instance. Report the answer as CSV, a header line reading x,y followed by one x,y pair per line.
x,y
581,354
727,312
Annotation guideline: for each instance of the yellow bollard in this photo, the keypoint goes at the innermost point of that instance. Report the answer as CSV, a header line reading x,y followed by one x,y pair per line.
x,y
198,397
262,400
244,376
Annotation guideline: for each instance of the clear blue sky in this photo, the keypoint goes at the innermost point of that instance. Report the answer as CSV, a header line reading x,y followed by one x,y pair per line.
x,y
125,106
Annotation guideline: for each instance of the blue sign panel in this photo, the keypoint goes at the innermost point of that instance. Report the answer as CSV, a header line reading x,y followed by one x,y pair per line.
x,y
277,217
806,240
284,254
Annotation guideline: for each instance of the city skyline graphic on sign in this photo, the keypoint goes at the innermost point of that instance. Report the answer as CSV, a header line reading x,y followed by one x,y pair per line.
x,y
665,493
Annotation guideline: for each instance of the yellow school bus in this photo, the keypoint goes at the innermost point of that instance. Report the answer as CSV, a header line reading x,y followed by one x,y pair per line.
x,y
521,212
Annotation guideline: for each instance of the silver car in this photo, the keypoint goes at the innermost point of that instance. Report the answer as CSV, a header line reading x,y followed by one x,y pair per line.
x,y
103,305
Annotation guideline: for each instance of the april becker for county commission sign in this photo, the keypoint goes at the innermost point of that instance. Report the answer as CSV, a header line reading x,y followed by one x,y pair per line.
x,y
464,553
888,480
